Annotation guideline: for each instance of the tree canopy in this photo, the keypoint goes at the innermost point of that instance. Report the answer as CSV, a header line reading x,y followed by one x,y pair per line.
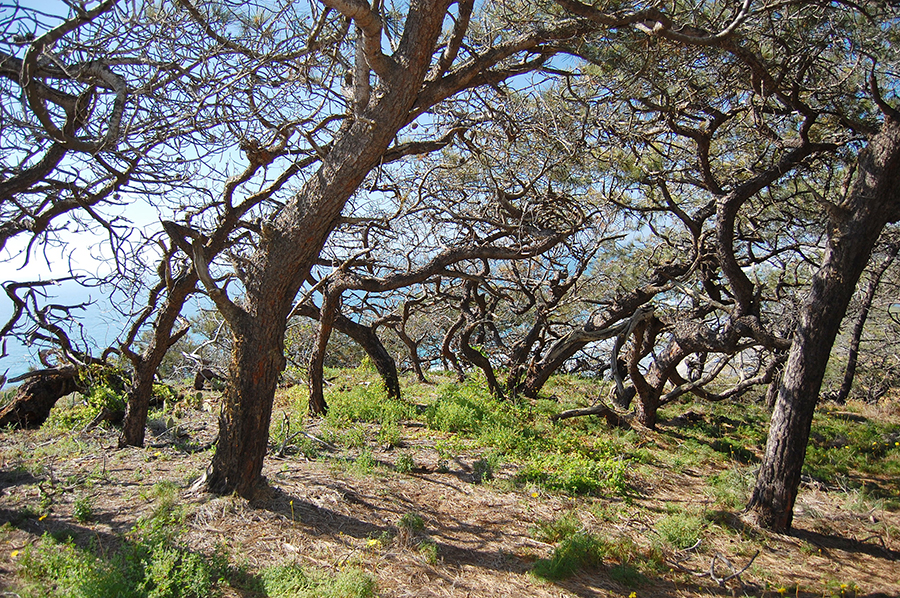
x,y
681,198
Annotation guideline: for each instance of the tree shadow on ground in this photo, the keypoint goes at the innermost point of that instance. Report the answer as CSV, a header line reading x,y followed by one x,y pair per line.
x,y
460,544
831,541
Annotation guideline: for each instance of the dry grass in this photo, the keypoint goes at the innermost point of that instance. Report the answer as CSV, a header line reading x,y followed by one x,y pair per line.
x,y
323,513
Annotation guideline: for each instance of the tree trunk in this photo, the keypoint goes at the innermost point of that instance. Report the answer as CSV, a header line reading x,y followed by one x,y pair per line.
x,y
873,200
860,324
365,337
289,245
138,406
256,365
447,351
146,364
479,360
412,347
37,395
330,303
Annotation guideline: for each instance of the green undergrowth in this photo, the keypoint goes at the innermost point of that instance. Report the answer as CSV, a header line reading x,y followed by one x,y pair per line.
x,y
150,560
577,549
573,458
583,456
855,451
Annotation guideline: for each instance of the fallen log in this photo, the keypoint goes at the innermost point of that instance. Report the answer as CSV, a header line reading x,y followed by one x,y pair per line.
x,y
36,396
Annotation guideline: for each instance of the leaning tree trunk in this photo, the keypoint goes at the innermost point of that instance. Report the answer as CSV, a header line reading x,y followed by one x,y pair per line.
x,y
873,200
316,375
37,395
367,339
479,360
147,363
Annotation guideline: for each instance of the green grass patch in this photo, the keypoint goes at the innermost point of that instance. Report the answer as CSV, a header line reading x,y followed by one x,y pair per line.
x,y
576,474
574,553
289,580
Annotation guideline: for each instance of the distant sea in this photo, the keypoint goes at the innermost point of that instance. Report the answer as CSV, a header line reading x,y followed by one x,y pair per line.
x,y
100,323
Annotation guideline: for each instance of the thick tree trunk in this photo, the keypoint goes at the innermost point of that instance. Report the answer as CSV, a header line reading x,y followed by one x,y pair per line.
x,y
539,373
291,242
37,395
873,200
256,365
138,406
650,387
412,347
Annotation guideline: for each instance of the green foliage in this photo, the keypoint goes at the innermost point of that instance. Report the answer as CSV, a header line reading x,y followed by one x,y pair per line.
x,y
466,408
165,394
389,435
731,488
411,522
141,569
365,402
52,569
173,572
557,529
83,510
365,463
842,442
101,387
482,470
680,530
575,474
429,550
285,580
289,580
405,463
574,552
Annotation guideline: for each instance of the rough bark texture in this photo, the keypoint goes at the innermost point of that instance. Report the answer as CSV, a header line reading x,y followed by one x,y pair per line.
x,y
36,396
873,200
288,249
256,365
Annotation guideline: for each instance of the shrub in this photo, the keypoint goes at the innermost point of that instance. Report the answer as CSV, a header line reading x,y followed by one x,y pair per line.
x,y
572,554
680,530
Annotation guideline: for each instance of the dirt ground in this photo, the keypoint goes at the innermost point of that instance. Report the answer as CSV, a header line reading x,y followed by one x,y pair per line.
x,y
324,513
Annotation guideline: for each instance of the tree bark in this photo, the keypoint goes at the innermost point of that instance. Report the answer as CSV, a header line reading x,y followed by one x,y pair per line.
x,y
367,339
330,304
147,362
291,243
37,395
256,365
873,200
